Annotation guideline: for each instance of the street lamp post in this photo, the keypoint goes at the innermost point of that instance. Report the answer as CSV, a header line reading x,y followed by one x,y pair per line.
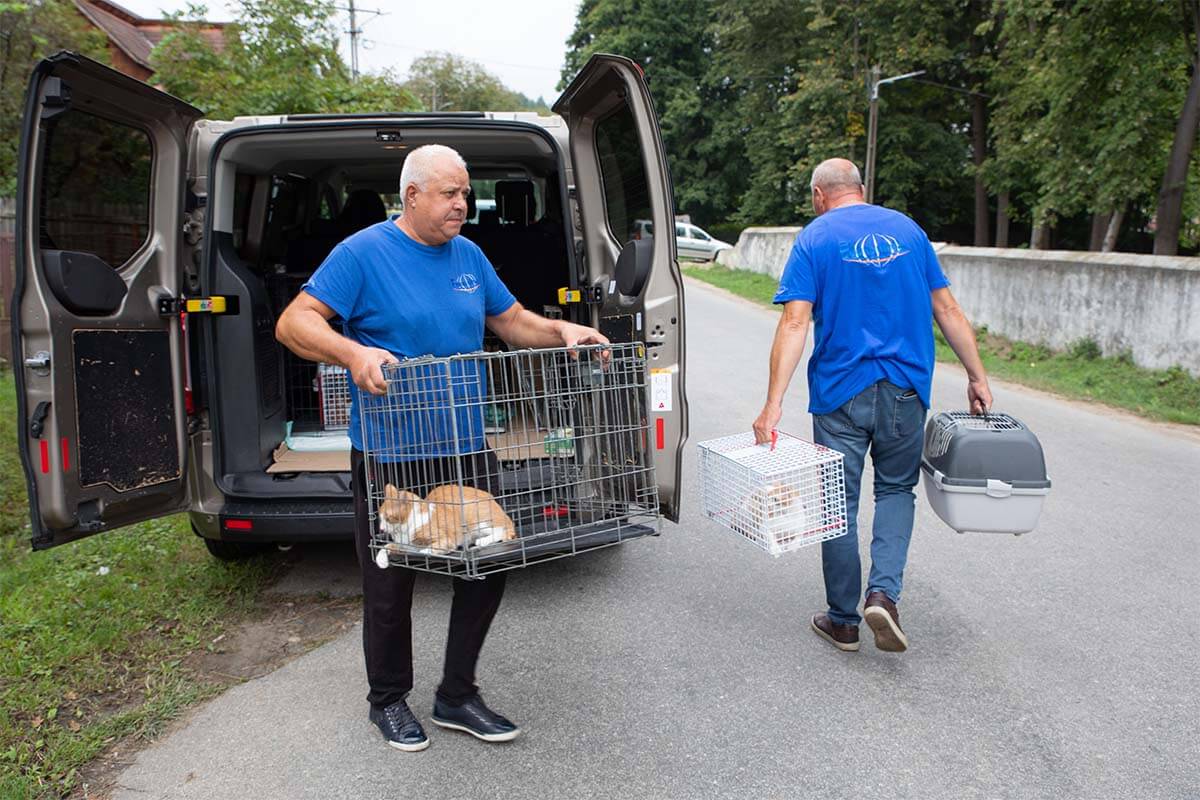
x,y
873,123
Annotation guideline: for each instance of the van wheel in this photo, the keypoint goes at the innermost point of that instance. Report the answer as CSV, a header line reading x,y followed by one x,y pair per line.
x,y
233,551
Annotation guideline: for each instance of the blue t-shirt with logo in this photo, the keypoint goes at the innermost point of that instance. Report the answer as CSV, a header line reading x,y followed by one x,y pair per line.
x,y
868,271
413,299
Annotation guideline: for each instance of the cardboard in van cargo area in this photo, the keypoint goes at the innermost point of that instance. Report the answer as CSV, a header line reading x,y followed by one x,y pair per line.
x,y
288,460
517,443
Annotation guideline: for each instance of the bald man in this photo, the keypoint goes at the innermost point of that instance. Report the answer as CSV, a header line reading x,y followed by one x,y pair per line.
x,y
404,289
870,281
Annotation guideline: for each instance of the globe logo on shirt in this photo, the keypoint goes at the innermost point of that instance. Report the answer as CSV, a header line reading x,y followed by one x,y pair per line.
x,y
466,282
876,250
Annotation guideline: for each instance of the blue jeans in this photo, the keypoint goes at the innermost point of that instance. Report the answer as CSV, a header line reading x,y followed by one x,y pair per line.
x,y
888,421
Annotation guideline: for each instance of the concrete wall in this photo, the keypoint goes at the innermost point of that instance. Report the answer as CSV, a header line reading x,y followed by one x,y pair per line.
x,y
1146,305
760,250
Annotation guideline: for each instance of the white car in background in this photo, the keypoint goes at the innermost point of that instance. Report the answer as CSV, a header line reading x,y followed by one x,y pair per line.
x,y
690,241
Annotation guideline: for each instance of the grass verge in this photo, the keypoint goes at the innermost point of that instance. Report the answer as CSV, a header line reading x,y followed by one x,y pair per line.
x,y
93,634
1081,373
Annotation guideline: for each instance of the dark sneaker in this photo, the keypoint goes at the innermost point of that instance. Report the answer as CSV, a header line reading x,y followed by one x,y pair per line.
x,y
881,614
843,637
398,725
475,718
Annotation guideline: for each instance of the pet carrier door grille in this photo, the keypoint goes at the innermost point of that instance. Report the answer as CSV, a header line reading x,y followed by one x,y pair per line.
x,y
492,461
779,498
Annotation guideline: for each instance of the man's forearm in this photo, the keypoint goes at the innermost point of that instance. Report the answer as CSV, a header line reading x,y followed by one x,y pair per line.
x,y
307,334
532,330
786,352
961,337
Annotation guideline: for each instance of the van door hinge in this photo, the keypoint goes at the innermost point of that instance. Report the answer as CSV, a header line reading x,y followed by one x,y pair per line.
x,y
217,304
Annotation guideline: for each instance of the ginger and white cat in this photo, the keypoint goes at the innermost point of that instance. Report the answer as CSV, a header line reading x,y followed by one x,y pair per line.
x,y
778,508
450,516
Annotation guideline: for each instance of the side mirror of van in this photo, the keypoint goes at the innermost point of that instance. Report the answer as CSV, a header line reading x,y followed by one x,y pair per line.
x,y
633,266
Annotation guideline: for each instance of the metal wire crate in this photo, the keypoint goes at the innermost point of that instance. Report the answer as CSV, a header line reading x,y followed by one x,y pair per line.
x,y
333,392
492,461
780,499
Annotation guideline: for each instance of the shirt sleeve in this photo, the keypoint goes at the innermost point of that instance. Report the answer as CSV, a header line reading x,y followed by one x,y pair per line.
x,y
337,282
497,298
933,269
797,282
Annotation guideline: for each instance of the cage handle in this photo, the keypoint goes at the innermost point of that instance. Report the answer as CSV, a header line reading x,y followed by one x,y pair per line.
x,y
774,438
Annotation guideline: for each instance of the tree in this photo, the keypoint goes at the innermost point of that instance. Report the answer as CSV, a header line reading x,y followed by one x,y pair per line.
x,y
1170,198
280,57
30,31
1064,147
448,82
673,42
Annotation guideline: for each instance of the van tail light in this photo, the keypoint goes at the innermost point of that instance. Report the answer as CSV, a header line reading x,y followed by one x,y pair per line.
x,y
239,525
637,234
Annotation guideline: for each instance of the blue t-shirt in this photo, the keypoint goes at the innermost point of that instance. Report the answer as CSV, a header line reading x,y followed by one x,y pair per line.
x,y
412,300
868,271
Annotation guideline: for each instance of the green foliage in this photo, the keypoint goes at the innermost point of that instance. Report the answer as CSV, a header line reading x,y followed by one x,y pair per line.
x,y
93,633
672,41
30,31
448,82
1087,94
1171,395
280,58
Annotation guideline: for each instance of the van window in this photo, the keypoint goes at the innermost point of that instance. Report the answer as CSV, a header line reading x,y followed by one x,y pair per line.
x,y
95,187
626,190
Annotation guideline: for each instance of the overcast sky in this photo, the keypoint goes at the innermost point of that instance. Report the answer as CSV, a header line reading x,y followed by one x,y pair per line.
x,y
523,43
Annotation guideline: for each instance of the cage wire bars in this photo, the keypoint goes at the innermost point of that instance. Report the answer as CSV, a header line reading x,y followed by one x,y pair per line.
x,y
781,497
491,461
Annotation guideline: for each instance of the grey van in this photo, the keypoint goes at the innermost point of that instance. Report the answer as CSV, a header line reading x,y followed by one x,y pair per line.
x,y
155,250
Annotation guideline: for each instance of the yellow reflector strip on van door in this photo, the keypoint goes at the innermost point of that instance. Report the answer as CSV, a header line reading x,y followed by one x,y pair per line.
x,y
206,305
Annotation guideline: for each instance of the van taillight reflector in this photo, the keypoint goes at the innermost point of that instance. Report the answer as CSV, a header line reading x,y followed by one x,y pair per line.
x,y
239,525
45,457
66,454
660,433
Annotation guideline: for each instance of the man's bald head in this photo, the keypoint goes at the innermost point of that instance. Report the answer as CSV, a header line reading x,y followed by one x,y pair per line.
x,y
836,175
836,182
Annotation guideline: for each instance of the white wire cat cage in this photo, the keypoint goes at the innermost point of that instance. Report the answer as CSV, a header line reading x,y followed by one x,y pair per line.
x,y
491,461
779,498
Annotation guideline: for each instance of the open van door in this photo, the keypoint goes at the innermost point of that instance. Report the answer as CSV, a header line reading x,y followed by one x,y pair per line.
x,y
97,348
619,181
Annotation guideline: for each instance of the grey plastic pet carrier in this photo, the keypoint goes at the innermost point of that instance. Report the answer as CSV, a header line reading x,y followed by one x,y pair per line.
x,y
984,473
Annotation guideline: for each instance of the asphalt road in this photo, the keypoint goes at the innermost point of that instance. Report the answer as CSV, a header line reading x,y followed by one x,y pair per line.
x,y
1061,664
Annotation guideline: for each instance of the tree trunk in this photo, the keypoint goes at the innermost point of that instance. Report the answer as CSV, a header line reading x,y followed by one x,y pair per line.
x,y
979,148
1002,219
1170,199
1039,237
1114,228
1100,221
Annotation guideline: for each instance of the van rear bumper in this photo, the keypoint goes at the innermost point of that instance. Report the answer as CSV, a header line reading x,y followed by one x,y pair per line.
x,y
278,522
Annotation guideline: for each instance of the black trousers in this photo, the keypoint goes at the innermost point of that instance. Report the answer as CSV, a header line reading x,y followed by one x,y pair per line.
x,y
387,598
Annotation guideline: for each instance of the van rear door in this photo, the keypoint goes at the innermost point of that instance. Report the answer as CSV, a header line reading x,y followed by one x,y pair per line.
x,y
620,181
96,338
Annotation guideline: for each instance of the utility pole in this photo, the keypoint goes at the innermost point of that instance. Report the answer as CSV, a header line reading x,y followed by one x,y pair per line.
x,y
873,123
354,43
356,31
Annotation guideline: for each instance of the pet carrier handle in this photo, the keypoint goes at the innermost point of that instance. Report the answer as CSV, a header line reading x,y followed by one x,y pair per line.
x,y
774,439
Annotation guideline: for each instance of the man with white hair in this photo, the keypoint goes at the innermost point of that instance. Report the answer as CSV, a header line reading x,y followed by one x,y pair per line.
x,y
870,281
401,289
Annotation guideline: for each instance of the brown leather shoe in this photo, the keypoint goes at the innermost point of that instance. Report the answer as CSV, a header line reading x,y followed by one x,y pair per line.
x,y
843,637
881,614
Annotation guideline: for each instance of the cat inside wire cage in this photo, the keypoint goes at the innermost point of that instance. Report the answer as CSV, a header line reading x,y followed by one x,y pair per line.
x,y
489,461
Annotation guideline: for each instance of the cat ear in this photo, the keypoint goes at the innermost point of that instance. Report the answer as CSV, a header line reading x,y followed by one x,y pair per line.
x,y
391,492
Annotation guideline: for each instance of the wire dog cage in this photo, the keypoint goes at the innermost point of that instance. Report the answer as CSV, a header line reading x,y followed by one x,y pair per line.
x,y
779,497
491,461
